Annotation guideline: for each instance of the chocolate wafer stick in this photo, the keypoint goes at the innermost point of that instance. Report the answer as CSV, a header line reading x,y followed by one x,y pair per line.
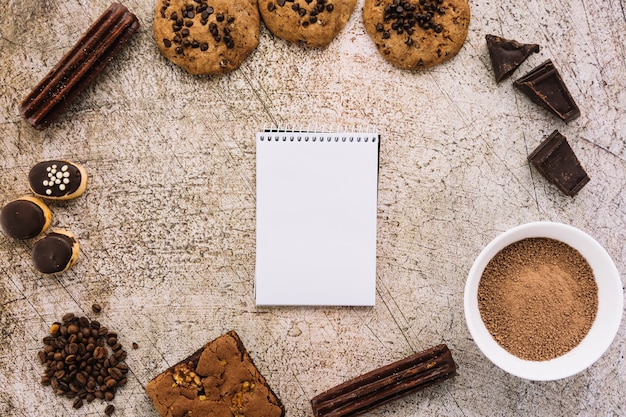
x,y
385,384
79,67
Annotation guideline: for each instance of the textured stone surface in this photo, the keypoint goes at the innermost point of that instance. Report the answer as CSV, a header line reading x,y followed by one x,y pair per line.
x,y
167,224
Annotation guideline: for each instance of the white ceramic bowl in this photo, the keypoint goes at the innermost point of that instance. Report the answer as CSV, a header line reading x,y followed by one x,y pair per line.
x,y
603,330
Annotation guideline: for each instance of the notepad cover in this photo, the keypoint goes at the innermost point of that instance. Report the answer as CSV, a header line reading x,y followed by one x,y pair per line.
x,y
316,218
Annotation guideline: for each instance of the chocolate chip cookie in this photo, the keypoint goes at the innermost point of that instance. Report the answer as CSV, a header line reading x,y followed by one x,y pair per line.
x,y
207,36
417,34
312,23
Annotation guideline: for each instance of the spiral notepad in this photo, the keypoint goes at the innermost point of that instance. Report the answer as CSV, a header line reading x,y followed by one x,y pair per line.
x,y
316,218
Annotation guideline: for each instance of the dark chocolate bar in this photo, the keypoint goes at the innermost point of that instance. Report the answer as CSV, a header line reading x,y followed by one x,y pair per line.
x,y
507,55
556,161
377,387
544,86
79,67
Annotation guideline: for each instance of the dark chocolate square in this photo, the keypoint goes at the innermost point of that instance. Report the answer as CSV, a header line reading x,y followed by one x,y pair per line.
x,y
544,86
556,161
507,55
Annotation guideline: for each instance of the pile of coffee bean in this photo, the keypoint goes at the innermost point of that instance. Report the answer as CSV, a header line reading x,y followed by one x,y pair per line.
x,y
404,16
310,13
83,361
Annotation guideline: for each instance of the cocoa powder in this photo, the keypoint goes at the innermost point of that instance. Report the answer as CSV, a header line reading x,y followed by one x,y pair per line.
x,y
538,298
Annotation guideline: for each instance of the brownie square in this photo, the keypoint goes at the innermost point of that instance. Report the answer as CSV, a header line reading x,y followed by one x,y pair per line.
x,y
219,379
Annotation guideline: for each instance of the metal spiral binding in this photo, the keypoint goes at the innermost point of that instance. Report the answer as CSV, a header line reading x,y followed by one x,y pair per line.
x,y
317,134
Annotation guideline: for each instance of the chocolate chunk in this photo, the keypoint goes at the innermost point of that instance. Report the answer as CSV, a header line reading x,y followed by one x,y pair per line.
x,y
79,67
556,161
507,55
55,252
544,86
377,387
25,218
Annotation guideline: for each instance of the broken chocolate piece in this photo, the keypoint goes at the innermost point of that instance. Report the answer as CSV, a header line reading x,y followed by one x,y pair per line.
x,y
365,392
79,67
507,55
544,86
556,161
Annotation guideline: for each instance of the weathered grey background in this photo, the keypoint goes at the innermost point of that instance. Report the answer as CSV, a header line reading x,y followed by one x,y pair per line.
x,y
167,225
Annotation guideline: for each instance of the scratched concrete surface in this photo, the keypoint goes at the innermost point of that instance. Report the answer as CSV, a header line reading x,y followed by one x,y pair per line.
x,y
167,225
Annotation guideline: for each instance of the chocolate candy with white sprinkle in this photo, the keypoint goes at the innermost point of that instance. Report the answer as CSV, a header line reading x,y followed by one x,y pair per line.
x,y
57,180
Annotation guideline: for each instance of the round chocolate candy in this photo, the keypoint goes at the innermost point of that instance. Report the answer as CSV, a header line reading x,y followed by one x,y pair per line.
x,y
25,217
55,252
57,179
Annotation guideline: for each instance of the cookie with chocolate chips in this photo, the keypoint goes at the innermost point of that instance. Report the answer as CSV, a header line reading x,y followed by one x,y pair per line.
x,y
207,36
417,34
312,23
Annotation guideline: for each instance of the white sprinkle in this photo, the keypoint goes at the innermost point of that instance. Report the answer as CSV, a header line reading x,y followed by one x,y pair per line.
x,y
50,175
48,169
54,166
62,187
48,191
45,183
64,168
66,174
57,181
66,180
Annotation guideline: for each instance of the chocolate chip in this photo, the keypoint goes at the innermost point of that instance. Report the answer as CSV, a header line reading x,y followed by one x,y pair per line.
x,y
330,8
219,17
174,16
281,3
204,46
271,7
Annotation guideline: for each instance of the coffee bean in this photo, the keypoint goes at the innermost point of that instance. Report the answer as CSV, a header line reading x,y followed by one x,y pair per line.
x,y
109,395
121,355
77,403
110,382
135,346
67,317
109,409
55,328
116,373
73,329
83,321
81,380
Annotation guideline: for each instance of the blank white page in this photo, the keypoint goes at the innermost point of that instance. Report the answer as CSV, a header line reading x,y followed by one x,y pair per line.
x,y
316,218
